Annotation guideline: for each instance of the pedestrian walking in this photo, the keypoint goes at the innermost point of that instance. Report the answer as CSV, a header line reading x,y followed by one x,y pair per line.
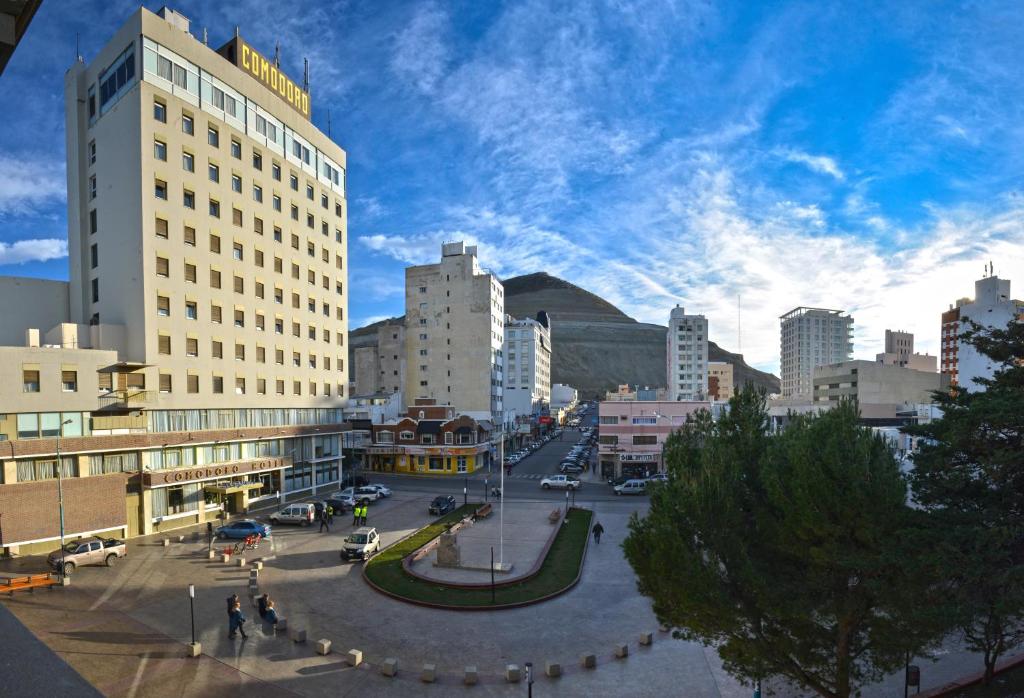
x,y
323,521
598,530
232,602
262,604
330,514
271,616
236,622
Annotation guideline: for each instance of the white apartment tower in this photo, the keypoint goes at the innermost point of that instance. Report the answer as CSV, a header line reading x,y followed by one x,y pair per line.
x,y
812,337
454,333
991,307
687,355
527,355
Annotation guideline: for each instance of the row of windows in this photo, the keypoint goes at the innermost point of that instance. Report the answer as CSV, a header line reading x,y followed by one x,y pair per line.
x,y
164,345
30,382
242,386
163,309
163,269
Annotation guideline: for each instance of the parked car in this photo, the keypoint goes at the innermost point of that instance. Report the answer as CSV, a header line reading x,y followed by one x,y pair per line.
x,y
442,504
571,467
339,504
361,544
658,477
360,493
302,514
87,551
561,481
381,490
243,528
631,487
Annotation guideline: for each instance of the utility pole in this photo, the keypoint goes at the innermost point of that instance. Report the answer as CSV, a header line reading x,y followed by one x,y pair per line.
x,y
60,495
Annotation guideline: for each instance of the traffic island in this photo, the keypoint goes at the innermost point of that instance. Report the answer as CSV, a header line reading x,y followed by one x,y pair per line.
x,y
558,569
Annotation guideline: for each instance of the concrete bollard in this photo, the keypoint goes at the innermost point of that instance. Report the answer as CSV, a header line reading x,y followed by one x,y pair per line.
x,y
646,639
297,635
65,581
389,667
211,555
166,542
241,562
258,565
282,625
225,558
355,657
323,646
553,669
195,649
429,673
588,661
621,651
181,539
470,676
512,673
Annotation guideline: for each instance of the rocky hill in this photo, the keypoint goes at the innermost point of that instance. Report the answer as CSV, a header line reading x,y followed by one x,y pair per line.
x,y
595,345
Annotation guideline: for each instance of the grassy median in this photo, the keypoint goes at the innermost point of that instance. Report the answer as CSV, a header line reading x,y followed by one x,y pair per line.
x,y
558,571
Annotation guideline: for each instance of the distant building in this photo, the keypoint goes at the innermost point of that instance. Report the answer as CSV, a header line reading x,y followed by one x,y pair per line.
x,y
899,351
687,355
563,396
454,333
378,367
991,307
720,380
881,391
629,392
527,369
812,337
632,434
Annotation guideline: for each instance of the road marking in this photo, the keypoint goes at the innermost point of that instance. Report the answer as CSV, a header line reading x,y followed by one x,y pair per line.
x,y
138,676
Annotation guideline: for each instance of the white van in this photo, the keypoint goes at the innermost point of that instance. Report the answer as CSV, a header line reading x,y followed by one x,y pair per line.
x,y
301,514
631,487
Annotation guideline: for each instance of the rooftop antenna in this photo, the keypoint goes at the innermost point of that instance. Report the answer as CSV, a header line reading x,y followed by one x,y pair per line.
x,y
206,39
78,50
739,324
237,33
328,122
305,75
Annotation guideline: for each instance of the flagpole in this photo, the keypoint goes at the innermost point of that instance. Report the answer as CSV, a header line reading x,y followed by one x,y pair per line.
x,y
501,502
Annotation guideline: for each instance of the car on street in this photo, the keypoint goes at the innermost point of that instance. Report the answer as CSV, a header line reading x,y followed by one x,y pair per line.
x,y
442,504
571,467
351,480
361,544
360,493
339,504
381,489
561,482
86,551
658,477
632,487
243,528
302,514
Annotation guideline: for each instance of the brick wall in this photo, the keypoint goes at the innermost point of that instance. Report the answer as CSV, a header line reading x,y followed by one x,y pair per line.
x,y
29,511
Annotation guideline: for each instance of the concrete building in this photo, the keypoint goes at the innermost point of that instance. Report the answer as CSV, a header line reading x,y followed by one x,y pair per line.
x,y
633,433
378,362
626,391
811,337
991,307
686,353
899,351
527,374
454,333
720,380
15,16
563,396
207,245
880,390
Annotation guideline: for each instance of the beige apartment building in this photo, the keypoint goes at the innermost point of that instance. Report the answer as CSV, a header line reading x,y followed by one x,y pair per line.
x,y
720,380
454,332
378,361
201,364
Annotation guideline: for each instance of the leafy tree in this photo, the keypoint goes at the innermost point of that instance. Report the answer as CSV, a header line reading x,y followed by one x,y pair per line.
x,y
969,474
788,553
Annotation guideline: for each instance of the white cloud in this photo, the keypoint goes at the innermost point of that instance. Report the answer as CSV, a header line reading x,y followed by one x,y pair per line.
x,y
818,163
421,55
29,183
40,250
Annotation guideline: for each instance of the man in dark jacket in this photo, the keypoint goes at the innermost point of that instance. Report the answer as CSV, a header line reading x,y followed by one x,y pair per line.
x,y
323,521
598,530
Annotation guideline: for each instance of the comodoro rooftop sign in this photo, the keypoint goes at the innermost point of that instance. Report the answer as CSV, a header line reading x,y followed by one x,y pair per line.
x,y
162,478
266,72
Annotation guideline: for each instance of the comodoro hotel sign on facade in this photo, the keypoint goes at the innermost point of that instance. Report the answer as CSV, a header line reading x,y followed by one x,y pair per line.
x,y
265,71
163,478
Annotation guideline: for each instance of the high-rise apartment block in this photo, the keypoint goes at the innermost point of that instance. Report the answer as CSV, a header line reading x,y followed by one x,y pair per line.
x,y
812,337
899,351
378,360
454,332
200,362
527,355
720,380
686,352
991,307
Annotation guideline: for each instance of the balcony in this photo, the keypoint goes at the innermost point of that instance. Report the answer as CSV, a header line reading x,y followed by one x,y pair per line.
x,y
128,400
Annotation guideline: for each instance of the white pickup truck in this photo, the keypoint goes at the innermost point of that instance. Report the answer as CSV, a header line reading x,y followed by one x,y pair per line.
x,y
87,551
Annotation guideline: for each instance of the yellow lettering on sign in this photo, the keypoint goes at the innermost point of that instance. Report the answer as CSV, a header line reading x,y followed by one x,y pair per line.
x,y
245,56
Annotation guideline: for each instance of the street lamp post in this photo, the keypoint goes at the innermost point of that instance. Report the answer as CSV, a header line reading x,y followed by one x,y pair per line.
x,y
60,494
529,679
465,491
192,609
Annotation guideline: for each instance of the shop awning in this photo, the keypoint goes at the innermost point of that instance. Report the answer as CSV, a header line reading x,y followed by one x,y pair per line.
x,y
232,487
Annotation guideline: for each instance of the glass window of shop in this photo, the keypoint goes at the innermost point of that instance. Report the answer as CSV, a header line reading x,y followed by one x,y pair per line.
x,y
326,472
181,499
198,420
298,477
49,424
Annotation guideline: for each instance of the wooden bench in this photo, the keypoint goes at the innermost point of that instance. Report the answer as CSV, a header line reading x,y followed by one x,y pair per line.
x,y
555,516
30,582
484,511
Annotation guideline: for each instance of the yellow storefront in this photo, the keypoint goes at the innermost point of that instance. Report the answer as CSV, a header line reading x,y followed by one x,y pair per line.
x,y
429,460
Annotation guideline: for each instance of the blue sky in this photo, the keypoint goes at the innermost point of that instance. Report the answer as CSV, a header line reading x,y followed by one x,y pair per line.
x,y
846,155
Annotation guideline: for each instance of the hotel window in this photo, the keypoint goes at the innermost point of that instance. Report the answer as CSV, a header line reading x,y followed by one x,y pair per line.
x,y
236,251
213,137
279,326
323,228
214,243
310,221
295,271
192,383
214,208
191,346
275,171
309,192
278,265
295,212
92,152
163,344
190,272
323,200
163,306
190,236
215,314
278,295
214,278
239,318
311,305
296,387
93,222
188,199
259,289
276,200
162,266
239,285
257,193
311,332
188,162
160,150
165,382
257,225
279,387
239,352
277,234
94,256
260,321
216,349
261,354
261,386
239,386
213,172
310,249
236,148
69,381
294,181
160,111
92,188
296,329
258,257
296,359
279,357
187,124
236,184
236,217
30,381
311,277
257,160
191,310
218,384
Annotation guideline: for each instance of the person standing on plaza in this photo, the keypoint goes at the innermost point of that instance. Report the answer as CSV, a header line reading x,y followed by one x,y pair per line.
x,y
330,514
236,622
363,512
323,520
232,602
355,514
271,616
262,603
598,530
